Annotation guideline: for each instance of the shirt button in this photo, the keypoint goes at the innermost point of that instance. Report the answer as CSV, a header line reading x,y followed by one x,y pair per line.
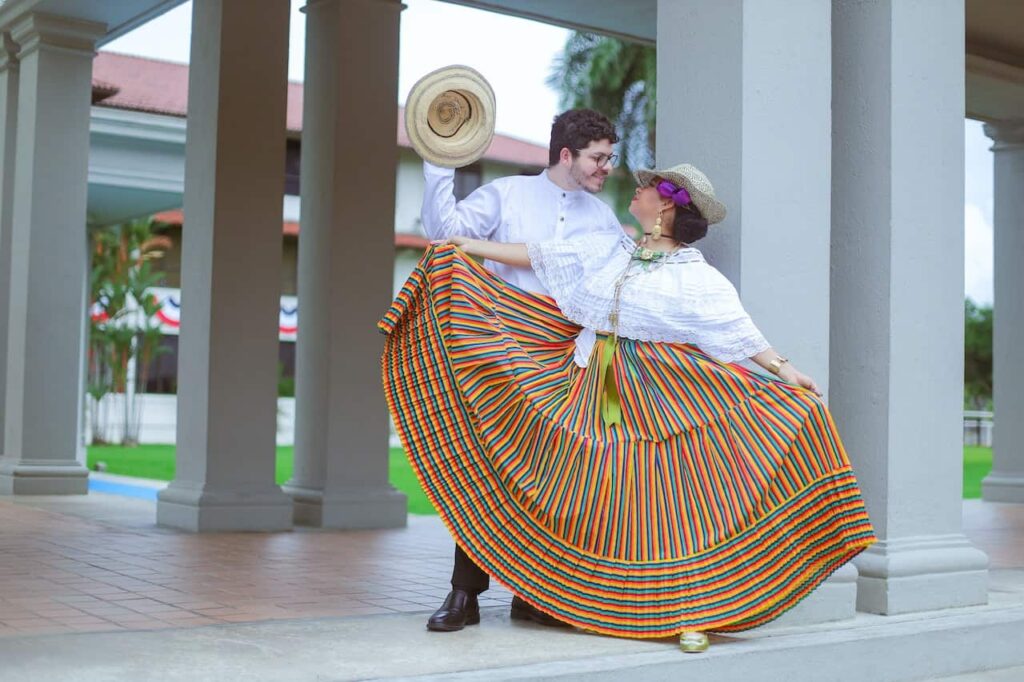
x,y
562,219
563,195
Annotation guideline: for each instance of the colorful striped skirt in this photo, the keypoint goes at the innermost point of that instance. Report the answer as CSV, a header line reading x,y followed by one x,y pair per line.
x,y
720,500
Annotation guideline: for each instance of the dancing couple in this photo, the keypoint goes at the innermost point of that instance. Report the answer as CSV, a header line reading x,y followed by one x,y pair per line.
x,y
574,410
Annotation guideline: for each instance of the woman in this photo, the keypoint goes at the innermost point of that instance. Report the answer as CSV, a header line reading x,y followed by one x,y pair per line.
x,y
624,478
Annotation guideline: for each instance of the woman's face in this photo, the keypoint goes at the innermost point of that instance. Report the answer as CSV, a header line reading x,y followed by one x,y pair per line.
x,y
647,203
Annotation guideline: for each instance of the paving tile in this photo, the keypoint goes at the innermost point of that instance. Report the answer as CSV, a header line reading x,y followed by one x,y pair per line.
x,y
192,604
218,612
194,621
106,626
81,620
151,624
23,624
130,617
240,618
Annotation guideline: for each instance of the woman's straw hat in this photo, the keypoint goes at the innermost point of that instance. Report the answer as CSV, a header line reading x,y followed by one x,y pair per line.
x,y
702,193
449,116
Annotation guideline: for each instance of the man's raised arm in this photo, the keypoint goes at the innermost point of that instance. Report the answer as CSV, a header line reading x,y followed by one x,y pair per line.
x,y
476,216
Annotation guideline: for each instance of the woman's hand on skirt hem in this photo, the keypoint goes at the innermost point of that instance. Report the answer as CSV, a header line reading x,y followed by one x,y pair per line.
x,y
794,376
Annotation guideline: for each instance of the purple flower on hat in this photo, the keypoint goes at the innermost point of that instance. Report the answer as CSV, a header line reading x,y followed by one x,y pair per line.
x,y
678,195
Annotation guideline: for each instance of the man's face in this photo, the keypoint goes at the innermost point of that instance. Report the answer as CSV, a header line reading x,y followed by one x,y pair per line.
x,y
591,167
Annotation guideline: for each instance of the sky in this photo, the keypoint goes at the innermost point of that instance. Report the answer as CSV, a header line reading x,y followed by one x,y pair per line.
x,y
516,56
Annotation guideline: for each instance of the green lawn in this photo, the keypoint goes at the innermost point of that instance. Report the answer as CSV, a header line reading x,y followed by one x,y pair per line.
x,y
977,463
157,461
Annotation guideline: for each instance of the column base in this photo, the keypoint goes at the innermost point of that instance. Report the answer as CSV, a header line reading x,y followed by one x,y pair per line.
x,y
922,573
833,600
351,510
998,487
43,477
198,508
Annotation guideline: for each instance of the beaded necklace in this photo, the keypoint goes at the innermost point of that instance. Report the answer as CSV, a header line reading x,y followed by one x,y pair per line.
x,y
649,261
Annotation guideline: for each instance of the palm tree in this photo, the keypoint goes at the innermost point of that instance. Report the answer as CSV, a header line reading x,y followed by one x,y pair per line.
x,y
121,320
619,80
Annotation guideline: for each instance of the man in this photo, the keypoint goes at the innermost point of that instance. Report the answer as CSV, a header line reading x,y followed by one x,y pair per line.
x,y
557,204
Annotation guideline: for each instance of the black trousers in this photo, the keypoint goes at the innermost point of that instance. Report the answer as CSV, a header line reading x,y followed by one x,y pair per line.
x,y
467,576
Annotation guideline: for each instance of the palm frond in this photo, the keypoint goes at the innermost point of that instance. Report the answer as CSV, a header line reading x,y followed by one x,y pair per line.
x,y
617,79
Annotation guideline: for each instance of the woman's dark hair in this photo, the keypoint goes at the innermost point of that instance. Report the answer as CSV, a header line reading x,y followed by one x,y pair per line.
x,y
689,225
577,128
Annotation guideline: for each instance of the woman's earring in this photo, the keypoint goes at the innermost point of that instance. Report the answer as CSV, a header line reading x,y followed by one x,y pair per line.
x,y
656,232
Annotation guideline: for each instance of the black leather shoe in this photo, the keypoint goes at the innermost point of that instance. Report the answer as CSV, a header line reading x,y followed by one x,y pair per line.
x,y
459,609
521,610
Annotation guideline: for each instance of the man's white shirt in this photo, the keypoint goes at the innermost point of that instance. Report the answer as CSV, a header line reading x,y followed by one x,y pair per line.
x,y
516,209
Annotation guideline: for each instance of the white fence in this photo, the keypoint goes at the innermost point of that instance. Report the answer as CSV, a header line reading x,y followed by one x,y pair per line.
x,y
160,419
978,428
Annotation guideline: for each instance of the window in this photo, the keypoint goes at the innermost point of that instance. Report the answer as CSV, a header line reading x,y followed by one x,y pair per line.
x,y
292,162
467,179
162,376
286,369
162,373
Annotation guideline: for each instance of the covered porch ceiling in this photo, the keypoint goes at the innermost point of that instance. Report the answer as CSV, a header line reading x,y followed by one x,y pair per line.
x,y
120,16
994,40
995,59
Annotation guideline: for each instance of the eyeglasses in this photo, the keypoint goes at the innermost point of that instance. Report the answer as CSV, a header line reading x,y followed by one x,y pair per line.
x,y
602,160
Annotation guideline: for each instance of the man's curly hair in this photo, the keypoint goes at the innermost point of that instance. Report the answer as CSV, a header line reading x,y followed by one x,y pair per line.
x,y
577,128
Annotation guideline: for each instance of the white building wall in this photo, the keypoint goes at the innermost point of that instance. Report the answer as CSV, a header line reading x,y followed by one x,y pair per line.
x,y
408,193
159,411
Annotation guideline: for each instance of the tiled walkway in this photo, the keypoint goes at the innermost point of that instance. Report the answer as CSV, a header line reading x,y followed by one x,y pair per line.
x,y
97,563
998,529
60,572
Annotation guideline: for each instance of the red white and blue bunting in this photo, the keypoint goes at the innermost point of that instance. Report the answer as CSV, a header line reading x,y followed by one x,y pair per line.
x,y
168,315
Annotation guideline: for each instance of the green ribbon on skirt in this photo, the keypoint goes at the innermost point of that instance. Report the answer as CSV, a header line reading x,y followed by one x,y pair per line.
x,y
611,403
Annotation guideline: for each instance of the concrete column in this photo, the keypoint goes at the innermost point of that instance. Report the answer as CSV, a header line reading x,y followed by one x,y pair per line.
x,y
897,294
346,259
1006,481
46,319
756,118
8,128
231,262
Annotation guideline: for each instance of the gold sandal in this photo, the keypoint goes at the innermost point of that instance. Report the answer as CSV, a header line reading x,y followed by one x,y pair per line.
x,y
693,642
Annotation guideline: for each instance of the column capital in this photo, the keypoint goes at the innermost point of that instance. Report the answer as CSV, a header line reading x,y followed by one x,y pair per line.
x,y
1008,134
37,29
8,51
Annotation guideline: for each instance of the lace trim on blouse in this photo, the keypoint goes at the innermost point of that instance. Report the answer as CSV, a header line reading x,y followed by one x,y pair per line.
x,y
683,300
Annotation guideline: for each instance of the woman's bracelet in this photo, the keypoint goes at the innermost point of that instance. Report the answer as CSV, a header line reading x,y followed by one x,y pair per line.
x,y
775,366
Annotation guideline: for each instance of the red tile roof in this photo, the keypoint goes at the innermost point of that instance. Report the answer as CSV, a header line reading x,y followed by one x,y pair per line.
x,y
404,240
160,87
290,228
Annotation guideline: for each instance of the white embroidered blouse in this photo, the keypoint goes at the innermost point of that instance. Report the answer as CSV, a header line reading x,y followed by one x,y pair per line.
x,y
682,300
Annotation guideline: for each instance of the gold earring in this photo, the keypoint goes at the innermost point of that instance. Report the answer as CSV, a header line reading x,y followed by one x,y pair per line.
x,y
656,232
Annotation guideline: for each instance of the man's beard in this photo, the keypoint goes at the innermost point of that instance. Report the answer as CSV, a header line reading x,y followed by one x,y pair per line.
x,y
581,179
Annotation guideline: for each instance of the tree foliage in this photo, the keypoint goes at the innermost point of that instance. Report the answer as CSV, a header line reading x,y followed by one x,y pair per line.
x,y
619,80
977,355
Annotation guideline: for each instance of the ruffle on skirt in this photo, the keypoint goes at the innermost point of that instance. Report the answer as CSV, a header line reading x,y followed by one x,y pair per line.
x,y
721,500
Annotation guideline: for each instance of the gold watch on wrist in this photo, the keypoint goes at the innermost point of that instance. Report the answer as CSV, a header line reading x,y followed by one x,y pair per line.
x,y
775,366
